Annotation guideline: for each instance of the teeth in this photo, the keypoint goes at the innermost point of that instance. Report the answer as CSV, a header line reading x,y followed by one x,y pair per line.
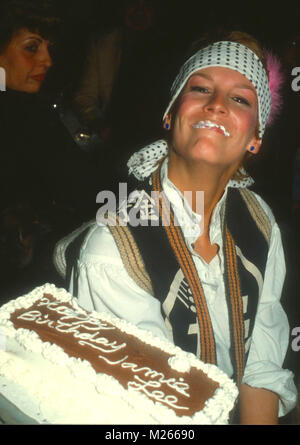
x,y
209,124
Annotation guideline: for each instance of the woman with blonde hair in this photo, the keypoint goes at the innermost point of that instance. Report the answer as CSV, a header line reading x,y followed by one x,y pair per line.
x,y
206,274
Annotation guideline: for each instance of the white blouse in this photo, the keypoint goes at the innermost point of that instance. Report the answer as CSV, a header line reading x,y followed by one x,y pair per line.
x,y
104,285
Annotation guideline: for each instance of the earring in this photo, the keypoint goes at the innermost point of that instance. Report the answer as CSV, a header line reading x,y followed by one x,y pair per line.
x,y
167,126
252,148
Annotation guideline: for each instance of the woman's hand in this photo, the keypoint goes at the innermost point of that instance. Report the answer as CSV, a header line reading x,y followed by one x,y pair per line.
x,y
258,406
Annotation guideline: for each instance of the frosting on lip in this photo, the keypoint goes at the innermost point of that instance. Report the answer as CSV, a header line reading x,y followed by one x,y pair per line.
x,y
210,124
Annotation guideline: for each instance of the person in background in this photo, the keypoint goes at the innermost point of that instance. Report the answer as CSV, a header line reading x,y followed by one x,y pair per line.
x,y
92,99
48,185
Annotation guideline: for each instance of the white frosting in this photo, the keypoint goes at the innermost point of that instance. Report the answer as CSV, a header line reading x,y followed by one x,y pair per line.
x,y
180,364
28,359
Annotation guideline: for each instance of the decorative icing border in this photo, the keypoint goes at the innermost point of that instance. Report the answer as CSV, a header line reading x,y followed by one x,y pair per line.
x,y
216,409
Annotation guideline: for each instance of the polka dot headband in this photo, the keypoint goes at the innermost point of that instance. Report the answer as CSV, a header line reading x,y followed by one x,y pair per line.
x,y
229,55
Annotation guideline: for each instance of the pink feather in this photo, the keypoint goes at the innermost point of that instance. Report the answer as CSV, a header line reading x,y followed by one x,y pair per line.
x,y
276,80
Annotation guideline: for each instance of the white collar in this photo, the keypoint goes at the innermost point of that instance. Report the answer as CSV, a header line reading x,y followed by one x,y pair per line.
x,y
190,221
144,162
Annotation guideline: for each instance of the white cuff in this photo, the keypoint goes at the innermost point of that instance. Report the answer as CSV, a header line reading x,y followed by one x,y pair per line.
x,y
267,375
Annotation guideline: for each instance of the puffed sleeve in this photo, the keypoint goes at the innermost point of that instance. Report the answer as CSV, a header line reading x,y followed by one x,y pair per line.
x,y
270,338
105,286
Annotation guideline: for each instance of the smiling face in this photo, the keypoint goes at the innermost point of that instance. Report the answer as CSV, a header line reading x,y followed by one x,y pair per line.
x,y
216,119
26,61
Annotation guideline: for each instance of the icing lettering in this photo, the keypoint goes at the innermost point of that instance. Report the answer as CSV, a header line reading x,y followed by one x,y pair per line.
x,y
110,362
178,386
114,347
143,386
149,381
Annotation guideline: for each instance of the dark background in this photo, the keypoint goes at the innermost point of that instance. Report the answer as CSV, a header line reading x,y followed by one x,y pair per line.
x,y
155,40
150,58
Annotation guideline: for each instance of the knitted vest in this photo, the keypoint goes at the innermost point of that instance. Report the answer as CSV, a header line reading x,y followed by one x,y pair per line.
x,y
151,256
